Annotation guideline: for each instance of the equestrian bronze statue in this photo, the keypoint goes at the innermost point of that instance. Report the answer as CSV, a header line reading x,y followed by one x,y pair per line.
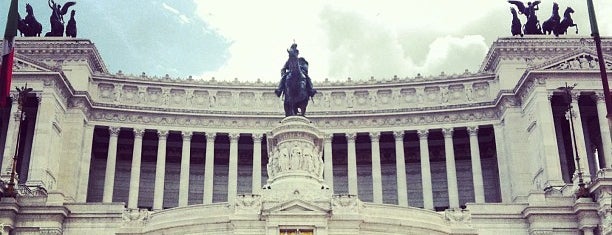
x,y
295,84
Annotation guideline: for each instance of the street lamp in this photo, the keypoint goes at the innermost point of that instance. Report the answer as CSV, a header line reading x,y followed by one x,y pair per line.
x,y
21,100
582,191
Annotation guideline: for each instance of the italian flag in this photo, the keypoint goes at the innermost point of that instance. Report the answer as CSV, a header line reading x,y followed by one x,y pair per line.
x,y
8,51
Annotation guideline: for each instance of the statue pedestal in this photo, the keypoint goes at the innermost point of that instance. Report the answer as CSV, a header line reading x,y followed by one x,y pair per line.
x,y
295,166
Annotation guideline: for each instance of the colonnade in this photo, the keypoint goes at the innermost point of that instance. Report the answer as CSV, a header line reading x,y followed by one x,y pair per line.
x,y
353,184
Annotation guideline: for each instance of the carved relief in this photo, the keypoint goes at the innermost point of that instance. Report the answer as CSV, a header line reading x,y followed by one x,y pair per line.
x,y
432,94
248,204
129,94
481,90
343,204
456,93
384,97
135,217
200,98
105,91
409,95
223,99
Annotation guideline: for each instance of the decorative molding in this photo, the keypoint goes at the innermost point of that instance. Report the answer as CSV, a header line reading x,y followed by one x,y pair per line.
x,y
210,136
399,135
257,137
138,132
186,135
374,136
162,134
423,134
233,136
135,217
114,131
351,136
472,130
448,132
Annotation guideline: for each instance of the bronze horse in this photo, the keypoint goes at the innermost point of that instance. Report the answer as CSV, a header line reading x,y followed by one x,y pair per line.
x,y
29,26
295,84
565,23
549,25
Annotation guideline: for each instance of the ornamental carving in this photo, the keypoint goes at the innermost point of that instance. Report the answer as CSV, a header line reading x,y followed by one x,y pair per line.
x,y
248,204
135,217
458,216
346,204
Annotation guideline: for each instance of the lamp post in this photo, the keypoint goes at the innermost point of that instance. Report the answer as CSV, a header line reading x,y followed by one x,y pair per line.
x,y
582,191
21,100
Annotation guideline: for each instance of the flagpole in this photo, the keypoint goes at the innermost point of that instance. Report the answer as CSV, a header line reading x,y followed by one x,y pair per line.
x,y
602,64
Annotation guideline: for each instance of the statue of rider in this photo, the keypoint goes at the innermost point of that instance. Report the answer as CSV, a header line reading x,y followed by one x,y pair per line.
x,y
286,71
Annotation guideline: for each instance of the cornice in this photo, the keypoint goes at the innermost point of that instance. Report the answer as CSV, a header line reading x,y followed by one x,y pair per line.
x,y
58,49
544,46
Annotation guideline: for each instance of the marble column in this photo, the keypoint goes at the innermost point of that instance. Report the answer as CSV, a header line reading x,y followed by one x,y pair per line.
x,y
376,171
476,165
329,166
549,150
184,176
580,139
11,139
604,129
400,166
209,167
160,170
425,170
352,163
256,175
451,169
502,163
232,178
111,162
135,172
86,156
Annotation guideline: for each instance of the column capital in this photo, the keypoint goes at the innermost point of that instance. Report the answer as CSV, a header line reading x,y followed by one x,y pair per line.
x,y
448,132
233,136
186,135
328,136
423,134
575,96
210,136
399,135
599,97
257,137
374,136
350,137
162,134
550,96
114,130
472,130
138,132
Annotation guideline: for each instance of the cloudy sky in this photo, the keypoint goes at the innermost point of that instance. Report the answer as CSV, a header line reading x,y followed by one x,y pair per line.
x,y
342,38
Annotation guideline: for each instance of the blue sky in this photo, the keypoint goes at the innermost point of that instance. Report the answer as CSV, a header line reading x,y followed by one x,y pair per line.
x,y
247,39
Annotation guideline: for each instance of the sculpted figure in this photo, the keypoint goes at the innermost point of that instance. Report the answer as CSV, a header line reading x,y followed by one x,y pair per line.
x,y
71,30
295,84
57,18
29,26
532,26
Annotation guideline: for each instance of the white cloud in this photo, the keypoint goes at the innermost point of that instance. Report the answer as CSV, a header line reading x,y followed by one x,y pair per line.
x,y
359,38
182,18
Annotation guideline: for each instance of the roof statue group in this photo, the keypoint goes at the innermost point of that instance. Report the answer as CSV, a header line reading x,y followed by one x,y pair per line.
x,y
30,27
554,25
